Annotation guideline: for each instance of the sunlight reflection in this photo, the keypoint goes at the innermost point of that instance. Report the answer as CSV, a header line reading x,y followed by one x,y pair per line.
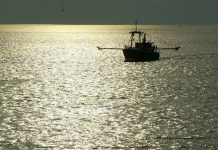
x,y
58,91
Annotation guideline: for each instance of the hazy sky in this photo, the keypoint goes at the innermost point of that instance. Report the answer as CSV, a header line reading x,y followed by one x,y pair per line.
x,y
109,11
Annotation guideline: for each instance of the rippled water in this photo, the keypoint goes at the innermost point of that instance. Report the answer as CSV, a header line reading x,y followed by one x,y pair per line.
x,y
57,91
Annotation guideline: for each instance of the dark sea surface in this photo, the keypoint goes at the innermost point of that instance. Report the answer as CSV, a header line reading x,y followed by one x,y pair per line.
x,y
57,91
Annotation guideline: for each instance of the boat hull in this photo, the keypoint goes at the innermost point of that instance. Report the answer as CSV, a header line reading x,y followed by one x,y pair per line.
x,y
140,55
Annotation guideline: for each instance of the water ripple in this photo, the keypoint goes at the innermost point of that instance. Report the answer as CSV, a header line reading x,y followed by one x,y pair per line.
x,y
57,91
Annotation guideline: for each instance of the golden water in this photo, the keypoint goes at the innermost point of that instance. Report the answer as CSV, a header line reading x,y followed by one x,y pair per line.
x,y
57,91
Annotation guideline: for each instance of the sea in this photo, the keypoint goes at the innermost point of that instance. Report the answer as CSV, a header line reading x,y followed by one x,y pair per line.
x,y
58,91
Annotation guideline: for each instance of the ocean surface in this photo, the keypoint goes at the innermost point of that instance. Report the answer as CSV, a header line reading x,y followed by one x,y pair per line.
x,y
58,91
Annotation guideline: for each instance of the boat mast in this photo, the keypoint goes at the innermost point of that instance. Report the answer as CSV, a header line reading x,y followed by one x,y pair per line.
x,y
133,33
139,33
136,30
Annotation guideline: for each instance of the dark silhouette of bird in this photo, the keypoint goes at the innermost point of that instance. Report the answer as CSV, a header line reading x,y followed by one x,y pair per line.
x,y
63,3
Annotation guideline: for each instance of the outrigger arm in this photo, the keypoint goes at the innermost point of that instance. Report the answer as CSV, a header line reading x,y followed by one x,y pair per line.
x,y
101,48
168,48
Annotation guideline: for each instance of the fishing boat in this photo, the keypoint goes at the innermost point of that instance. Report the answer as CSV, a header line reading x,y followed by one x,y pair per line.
x,y
139,49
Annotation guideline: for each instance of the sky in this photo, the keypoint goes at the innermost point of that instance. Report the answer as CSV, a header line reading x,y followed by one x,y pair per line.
x,y
109,11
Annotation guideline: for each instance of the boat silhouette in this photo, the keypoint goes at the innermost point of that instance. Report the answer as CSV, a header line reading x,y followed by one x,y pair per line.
x,y
139,49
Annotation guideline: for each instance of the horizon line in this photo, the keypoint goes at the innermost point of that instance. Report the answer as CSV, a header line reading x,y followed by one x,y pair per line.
x,y
173,24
